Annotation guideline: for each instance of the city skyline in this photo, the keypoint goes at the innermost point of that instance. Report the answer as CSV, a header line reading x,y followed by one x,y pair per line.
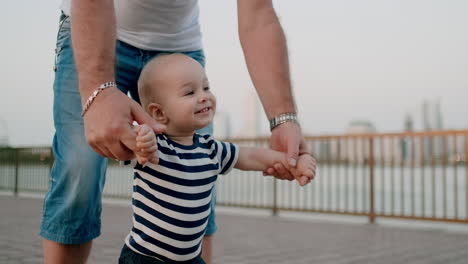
x,y
255,126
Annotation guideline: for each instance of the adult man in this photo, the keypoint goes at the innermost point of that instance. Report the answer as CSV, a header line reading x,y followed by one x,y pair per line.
x,y
143,29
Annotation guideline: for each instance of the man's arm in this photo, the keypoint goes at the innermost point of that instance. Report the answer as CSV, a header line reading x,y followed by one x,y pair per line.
x,y
108,122
264,45
94,36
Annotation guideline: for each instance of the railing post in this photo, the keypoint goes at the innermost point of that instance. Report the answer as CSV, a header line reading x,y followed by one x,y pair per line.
x,y
275,197
15,190
371,180
51,160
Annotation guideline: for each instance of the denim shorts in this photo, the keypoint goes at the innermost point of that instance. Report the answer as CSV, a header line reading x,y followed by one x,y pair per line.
x,y
72,206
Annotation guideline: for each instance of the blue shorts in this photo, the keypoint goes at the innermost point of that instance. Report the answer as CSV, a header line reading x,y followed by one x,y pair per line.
x,y
72,206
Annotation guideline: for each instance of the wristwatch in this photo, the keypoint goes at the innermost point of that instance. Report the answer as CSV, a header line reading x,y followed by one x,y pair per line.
x,y
283,118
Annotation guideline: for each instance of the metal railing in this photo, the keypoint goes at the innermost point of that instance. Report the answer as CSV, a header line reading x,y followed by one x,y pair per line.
x,y
25,169
422,176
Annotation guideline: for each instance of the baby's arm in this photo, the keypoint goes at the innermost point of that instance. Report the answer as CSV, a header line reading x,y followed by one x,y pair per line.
x,y
259,159
146,145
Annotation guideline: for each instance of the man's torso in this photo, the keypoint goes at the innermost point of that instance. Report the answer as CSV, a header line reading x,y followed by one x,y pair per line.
x,y
166,25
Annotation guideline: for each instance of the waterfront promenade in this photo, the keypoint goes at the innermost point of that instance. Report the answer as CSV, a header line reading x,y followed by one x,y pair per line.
x,y
255,239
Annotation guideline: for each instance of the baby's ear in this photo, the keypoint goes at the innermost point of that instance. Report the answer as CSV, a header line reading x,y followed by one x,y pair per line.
x,y
157,113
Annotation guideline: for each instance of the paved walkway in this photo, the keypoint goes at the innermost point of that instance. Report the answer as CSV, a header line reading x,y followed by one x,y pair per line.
x,y
252,239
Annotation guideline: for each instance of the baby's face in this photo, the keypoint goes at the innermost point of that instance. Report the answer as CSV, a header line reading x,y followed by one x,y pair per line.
x,y
187,100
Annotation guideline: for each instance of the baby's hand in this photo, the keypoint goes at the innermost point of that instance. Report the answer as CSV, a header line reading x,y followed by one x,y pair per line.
x,y
147,148
304,172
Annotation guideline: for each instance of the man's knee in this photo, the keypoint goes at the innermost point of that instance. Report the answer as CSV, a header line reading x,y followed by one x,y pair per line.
x,y
72,207
81,172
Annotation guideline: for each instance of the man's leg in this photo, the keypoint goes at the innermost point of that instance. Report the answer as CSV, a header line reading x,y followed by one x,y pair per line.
x,y
207,246
207,249
72,206
60,253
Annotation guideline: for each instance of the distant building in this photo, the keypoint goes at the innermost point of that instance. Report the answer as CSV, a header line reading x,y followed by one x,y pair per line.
x,y
432,115
432,120
360,127
409,123
251,111
355,150
405,143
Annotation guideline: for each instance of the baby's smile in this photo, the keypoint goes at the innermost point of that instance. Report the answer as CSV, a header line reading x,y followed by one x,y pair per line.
x,y
203,110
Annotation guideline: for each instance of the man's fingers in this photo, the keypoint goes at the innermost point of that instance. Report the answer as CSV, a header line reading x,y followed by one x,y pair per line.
x,y
273,172
103,152
97,149
285,174
120,151
128,139
100,149
143,118
293,152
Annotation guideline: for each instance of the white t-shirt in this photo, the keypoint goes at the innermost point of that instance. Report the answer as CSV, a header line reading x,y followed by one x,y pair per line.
x,y
166,25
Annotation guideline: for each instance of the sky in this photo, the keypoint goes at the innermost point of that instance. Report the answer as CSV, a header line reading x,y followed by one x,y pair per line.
x,y
371,60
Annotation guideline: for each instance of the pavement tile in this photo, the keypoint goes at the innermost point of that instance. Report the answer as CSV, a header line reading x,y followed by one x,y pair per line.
x,y
250,239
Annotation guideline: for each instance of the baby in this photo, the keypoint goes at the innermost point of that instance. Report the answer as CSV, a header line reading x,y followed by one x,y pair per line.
x,y
172,193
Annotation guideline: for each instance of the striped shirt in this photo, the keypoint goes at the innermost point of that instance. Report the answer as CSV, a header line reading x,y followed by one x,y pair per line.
x,y
171,200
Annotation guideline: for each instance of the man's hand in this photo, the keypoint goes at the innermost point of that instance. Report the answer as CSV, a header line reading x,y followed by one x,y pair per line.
x,y
146,145
286,138
305,168
108,124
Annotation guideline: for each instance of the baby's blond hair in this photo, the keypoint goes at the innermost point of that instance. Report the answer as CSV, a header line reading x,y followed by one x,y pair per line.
x,y
146,89
154,72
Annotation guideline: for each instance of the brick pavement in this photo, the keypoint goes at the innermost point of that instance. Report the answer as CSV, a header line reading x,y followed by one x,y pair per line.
x,y
252,239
